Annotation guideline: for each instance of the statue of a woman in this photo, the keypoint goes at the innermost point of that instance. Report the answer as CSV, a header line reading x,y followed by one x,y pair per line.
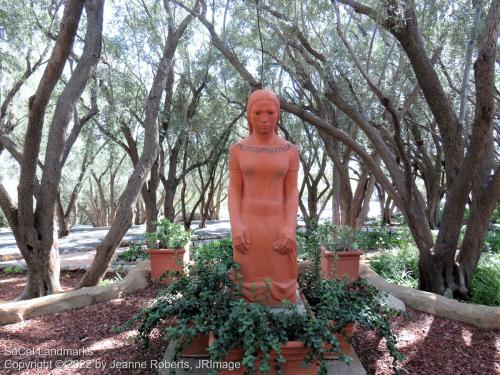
x,y
263,203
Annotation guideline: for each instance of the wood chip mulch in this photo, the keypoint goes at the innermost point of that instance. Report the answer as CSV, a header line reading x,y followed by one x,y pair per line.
x,y
82,342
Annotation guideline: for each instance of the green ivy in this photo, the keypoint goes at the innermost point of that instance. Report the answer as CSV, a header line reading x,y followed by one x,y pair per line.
x,y
343,303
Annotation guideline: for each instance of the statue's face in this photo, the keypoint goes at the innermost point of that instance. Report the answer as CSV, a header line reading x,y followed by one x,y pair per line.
x,y
264,116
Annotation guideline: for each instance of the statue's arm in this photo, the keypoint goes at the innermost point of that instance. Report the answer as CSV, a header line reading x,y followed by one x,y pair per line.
x,y
292,192
241,238
287,238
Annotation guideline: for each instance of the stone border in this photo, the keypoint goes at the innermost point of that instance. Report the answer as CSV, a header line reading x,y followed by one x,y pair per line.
x,y
479,315
136,278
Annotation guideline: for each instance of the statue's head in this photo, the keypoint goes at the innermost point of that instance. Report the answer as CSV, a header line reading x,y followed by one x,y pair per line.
x,y
263,100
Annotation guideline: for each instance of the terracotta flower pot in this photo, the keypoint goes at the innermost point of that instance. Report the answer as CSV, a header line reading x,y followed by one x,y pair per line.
x,y
197,348
163,260
338,264
344,338
294,353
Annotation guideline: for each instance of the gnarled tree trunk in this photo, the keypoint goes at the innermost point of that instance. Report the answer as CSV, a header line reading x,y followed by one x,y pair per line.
x,y
126,203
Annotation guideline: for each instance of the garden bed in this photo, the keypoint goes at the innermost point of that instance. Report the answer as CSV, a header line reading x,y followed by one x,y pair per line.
x,y
12,284
431,345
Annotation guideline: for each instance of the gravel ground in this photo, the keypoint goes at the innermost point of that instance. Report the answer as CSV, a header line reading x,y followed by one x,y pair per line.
x,y
431,345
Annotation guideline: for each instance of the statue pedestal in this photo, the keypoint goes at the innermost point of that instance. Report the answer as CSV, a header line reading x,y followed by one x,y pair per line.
x,y
201,366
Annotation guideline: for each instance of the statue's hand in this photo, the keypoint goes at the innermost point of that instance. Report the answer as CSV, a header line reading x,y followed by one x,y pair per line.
x,y
286,241
241,240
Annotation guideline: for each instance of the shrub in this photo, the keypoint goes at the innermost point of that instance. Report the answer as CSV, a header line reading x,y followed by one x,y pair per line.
x,y
384,237
3,220
134,252
168,235
333,237
339,303
398,266
14,269
492,241
307,243
495,217
218,250
486,281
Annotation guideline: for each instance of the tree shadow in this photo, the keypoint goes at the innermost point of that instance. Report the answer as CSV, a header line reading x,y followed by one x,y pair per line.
x,y
451,347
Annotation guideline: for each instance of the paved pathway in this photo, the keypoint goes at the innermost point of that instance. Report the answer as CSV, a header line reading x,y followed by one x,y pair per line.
x,y
78,249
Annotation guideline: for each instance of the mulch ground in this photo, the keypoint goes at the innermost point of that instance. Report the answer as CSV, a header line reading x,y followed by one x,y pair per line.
x,y
431,345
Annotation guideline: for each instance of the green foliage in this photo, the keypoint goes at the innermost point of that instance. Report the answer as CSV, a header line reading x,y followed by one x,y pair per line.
x,y
114,280
135,252
339,303
208,300
307,243
495,216
492,241
14,270
331,236
168,235
345,238
258,331
219,250
398,266
384,237
196,302
3,220
338,238
486,281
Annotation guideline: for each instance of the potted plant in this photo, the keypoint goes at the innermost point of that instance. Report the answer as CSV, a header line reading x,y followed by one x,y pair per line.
x,y
346,304
339,256
264,341
166,248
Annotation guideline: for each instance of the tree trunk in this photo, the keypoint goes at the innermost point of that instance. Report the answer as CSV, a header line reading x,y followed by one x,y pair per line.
x,y
149,195
169,210
388,211
62,219
137,216
34,228
126,204
432,210
485,197
43,270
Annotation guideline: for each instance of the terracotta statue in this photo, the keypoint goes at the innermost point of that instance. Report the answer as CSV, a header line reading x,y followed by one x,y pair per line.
x,y
263,204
